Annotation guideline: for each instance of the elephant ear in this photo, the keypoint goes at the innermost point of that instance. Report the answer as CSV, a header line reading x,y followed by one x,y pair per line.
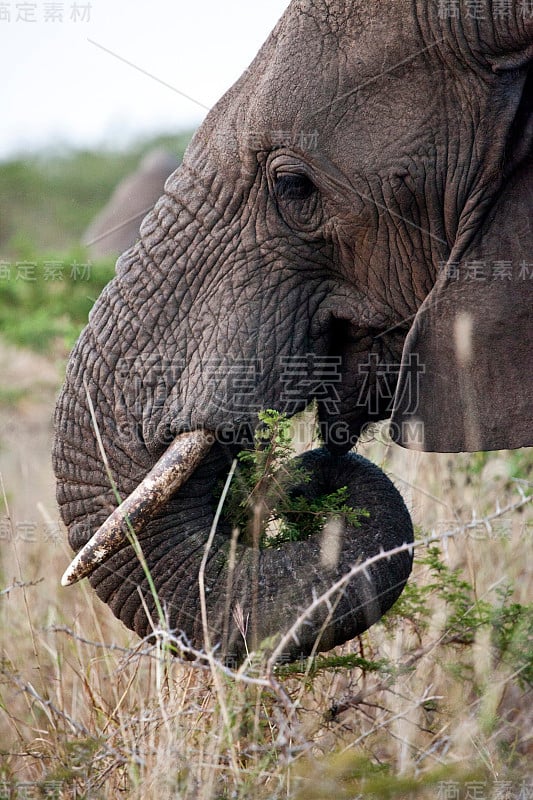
x,y
466,379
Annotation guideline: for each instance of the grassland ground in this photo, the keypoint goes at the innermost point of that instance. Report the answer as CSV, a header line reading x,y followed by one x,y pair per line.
x,y
436,699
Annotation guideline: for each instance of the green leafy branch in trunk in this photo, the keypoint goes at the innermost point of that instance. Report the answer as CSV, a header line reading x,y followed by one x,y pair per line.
x,y
264,502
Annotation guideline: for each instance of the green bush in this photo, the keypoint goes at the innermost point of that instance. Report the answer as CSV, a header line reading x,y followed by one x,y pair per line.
x,y
45,302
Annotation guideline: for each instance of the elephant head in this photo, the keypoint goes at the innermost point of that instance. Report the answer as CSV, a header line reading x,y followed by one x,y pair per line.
x,y
351,225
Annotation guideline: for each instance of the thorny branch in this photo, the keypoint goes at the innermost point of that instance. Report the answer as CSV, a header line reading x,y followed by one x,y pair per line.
x,y
50,709
161,642
326,597
20,585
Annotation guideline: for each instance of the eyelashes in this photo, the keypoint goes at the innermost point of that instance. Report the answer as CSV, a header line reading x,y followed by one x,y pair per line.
x,y
294,186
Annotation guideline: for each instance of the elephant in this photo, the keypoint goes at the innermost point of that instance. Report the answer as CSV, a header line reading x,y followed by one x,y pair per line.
x,y
351,226
116,227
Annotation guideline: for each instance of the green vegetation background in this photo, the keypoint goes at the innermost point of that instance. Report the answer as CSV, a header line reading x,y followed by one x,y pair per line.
x,y
47,283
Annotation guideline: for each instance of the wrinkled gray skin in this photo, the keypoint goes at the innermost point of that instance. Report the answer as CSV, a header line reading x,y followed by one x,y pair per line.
x,y
265,248
117,225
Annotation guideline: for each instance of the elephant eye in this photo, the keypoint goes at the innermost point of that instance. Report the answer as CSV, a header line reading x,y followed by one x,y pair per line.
x,y
294,186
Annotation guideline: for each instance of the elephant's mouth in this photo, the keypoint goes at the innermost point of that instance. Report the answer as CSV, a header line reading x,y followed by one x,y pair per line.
x,y
168,475
267,583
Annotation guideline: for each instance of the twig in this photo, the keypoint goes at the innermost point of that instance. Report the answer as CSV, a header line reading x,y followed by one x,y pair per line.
x,y
20,585
47,705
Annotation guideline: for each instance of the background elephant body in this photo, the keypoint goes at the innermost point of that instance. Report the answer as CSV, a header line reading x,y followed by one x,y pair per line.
x,y
117,225
314,221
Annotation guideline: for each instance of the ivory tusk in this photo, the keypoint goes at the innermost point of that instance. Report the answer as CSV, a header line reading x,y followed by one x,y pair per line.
x,y
174,467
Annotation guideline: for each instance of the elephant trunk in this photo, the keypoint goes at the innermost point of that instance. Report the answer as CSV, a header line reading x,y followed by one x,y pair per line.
x,y
254,594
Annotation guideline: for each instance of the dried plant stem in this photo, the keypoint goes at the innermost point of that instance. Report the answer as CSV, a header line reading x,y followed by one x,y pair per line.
x,y
132,537
213,664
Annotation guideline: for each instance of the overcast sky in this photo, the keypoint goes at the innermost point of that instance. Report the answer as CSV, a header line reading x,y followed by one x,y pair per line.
x,y
65,80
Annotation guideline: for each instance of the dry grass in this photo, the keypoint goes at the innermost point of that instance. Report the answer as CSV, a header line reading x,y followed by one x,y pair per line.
x,y
88,711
